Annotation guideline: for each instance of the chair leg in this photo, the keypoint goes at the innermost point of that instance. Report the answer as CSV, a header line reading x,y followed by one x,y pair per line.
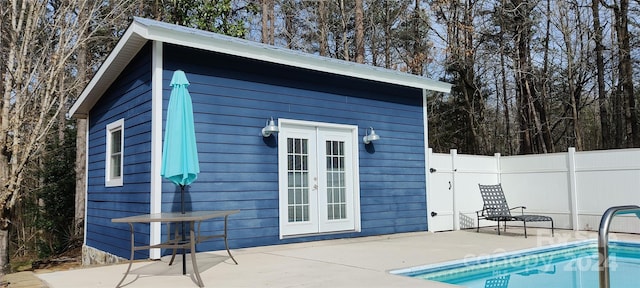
x,y
478,227
499,227
525,228
552,228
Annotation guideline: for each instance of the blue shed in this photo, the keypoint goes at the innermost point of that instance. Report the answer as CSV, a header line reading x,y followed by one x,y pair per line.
x,y
315,179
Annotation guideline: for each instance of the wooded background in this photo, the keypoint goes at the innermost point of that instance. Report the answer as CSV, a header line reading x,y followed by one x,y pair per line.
x,y
529,77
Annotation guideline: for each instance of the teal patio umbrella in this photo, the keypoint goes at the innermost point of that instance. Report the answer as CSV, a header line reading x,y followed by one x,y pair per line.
x,y
179,153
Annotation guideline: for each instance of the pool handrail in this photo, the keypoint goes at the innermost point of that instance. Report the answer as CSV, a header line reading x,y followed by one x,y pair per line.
x,y
603,239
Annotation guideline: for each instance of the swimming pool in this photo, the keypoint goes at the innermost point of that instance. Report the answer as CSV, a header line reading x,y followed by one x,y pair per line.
x,y
568,265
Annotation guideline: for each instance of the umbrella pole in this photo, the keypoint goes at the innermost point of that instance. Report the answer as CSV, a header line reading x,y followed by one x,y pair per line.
x,y
184,263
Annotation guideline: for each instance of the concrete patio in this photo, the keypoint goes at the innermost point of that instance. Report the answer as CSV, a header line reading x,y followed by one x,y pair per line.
x,y
358,262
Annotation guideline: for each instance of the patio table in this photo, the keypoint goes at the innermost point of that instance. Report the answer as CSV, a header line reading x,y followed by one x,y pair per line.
x,y
176,242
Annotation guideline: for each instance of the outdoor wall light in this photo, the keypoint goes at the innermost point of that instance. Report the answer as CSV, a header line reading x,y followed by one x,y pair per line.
x,y
270,128
368,138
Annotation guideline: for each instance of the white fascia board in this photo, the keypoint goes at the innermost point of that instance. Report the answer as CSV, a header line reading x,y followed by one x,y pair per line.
x,y
209,41
125,50
142,30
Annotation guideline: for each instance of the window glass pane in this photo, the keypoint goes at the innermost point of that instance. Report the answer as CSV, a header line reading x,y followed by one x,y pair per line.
x,y
115,153
297,196
305,163
298,213
116,138
292,215
305,197
296,146
291,196
115,166
305,179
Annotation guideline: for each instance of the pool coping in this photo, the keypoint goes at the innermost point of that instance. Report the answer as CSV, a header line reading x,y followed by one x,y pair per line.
x,y
498,257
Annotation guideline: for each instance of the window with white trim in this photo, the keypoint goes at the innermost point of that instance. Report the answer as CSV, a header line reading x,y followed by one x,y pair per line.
x,y
114,153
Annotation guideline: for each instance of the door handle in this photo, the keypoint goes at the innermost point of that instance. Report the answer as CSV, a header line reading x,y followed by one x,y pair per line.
x,y
434,214
449,185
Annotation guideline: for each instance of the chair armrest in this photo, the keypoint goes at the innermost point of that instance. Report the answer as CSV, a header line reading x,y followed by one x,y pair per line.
x,y
521,209
480,213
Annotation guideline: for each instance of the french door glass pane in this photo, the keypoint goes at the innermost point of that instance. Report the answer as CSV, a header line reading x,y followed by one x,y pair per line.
x,y
336,189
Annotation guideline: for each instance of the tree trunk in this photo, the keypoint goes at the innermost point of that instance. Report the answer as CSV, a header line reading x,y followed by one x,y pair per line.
x,y
81,142
573,93
359,31
505,101
345,32
387,35
605,133
626,73
288,13
81,135
265,21
524,77
4,251
541,103
322,23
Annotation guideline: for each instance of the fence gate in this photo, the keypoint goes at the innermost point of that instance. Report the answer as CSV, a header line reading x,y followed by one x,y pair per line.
x,y
440,215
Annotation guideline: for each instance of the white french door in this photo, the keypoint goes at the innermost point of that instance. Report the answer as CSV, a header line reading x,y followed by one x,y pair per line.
x,y
318,178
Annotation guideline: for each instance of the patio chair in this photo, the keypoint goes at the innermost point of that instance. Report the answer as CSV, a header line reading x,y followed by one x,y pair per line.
x,y
496,209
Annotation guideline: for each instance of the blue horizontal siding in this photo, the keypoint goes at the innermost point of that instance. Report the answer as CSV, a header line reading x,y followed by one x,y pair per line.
x,y
232,99
129,97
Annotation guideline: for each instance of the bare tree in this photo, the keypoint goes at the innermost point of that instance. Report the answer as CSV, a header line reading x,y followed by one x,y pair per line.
x,y
620,10
39,41
469,101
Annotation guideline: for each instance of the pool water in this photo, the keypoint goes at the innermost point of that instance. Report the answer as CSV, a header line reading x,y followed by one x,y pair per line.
x,y
570,265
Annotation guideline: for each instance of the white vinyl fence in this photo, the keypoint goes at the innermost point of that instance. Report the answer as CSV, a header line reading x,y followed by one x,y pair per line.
x,y
575,188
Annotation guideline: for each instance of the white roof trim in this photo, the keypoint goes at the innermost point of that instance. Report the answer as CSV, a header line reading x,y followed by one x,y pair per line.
x,y
141,30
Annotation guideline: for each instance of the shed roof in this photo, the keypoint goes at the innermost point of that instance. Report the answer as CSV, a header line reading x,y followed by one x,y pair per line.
x,y
142,30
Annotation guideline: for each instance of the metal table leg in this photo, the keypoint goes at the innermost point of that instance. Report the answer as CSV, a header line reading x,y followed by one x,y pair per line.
x,y
192,242
226,243
130,258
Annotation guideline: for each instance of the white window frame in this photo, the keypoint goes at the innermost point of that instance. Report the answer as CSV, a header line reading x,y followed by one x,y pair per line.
x,y
110,180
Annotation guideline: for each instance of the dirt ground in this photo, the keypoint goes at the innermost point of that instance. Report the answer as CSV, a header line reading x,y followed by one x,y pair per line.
x,y
24,275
